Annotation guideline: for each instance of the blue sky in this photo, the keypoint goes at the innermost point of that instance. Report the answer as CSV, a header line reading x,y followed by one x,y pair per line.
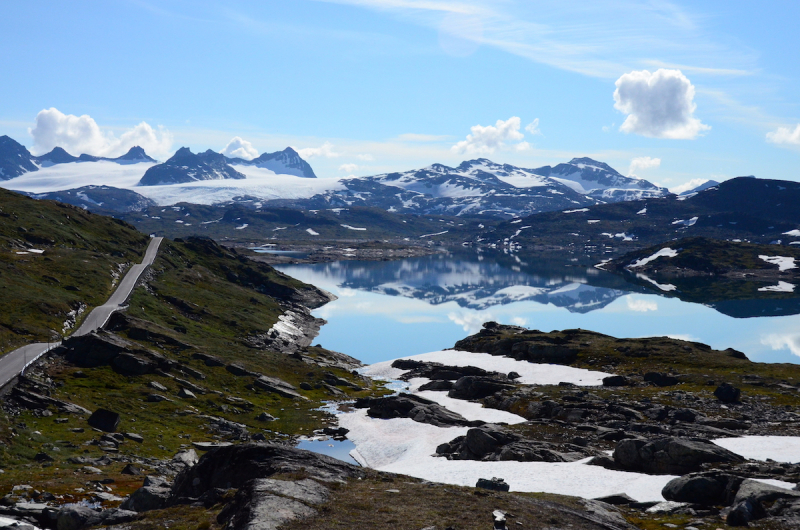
x,y
368,86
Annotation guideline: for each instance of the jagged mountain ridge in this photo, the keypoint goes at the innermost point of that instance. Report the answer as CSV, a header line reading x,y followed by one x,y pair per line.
x,y
185,166
485,188
16,160
286,162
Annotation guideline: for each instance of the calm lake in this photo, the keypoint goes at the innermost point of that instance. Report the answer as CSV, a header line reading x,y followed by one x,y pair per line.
x,y
390,309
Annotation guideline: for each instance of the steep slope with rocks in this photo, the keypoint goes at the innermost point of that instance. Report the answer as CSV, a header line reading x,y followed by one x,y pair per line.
x,y
185,166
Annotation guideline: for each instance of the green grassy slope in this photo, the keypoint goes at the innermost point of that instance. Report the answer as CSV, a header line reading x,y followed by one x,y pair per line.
x,y
83,255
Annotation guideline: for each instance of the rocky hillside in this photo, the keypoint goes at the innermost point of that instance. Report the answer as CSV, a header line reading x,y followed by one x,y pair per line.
x,y
286,162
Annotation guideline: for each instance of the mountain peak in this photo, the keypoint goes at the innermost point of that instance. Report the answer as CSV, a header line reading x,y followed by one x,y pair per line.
x,y
185,166
586,162
135,153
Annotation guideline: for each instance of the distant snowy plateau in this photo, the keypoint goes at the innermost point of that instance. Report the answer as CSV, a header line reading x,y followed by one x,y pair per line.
x,y
476,187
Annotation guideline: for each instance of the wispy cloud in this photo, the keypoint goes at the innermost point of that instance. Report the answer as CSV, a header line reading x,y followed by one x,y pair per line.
x,y
599,38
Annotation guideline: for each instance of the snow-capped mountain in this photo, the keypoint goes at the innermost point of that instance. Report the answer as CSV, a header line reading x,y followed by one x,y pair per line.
x,y
185,166
483,187
704,186
601,181
286,162
15,159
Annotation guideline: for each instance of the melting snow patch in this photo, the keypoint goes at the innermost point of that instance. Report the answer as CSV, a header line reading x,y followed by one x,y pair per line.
x,y
686,222
312,232
792,233
782,287
245,225
778,448
404,446
576,211
643,211
664,252
663,286
436,234
783,263
593,221
352,227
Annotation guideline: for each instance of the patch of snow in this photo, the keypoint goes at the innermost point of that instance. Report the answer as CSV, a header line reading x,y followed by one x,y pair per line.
x,y
312,232
664,287
436,234
353,227
404,446
778,448
245,225
792,233
576,211
664,252
782,287
783,263
686,222
643,211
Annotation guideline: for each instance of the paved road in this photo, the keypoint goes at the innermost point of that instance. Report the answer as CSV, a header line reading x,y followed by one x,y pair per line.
x,y
12,363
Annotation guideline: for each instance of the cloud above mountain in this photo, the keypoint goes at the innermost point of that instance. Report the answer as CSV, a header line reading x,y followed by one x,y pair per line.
x,y
643,162
81,134
785,136
239,148
659,104
325,150
485,140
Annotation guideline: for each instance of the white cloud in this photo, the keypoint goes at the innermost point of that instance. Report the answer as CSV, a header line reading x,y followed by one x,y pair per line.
x,y
81,134
533,127
785,136
485,140
790,341
522,146
325,150
348,168
658,104
470,321
692,184
365,157
642,306
239,148
643,162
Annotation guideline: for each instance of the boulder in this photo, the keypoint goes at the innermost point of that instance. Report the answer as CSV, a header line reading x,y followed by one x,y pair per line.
x,y
660,379
278,386
709,489
439,384
131,469
129,364
410,406
494,484
616,381
155,385
493,443
147,498
268,503
743,512
105,420
669,455
237,369
476,387
761,493
75,517
727,393
187,457
235,465
209,360
186,394
265,416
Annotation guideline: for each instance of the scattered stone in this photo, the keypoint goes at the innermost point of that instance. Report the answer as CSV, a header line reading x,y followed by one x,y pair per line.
x,y
92,469
43,457
727,393
306,386
743,512
495,484
710,488
475,387
237,369
138,438
187,457
156,398
131,469
147,498
105,420
267,503
616,499
209,360
155,385
186,394
278,386
264,416
207,446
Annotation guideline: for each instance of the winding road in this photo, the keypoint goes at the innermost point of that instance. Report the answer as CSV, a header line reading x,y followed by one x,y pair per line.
x,y
13,363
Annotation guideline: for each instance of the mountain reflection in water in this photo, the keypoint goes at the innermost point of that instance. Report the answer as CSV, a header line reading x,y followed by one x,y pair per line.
x,y
429,302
